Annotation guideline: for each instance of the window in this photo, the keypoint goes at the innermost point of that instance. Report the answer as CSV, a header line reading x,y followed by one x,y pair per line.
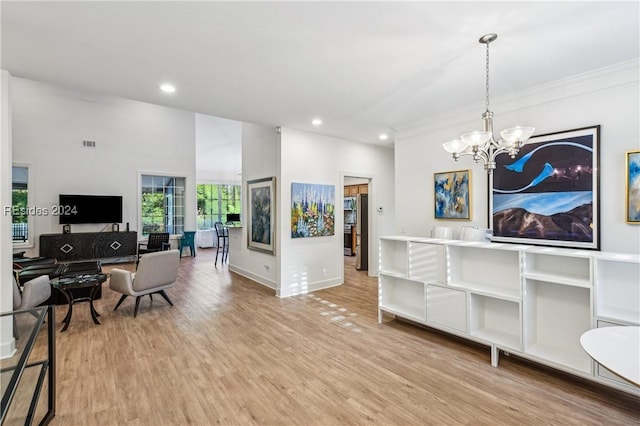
x,y
162,204
20,214
215,202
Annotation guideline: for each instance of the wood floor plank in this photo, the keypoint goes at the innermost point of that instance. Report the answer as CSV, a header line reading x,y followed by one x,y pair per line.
x,y
229,352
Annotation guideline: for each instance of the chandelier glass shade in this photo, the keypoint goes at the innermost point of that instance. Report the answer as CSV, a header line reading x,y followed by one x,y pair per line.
x,y
482,145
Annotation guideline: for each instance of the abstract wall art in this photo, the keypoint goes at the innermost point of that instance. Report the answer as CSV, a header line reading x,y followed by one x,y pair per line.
x,y
312,210
261,215
452,192
548,193
633,187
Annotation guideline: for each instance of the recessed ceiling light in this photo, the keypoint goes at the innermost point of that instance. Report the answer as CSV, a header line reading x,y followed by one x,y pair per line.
x,y
168,88
316,122
383,137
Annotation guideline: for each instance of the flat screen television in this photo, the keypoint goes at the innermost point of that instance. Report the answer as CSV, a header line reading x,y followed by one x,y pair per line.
x,y
74,209
233,217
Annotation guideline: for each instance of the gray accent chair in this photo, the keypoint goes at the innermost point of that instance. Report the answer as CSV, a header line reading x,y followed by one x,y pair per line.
x,y
156,272
34,292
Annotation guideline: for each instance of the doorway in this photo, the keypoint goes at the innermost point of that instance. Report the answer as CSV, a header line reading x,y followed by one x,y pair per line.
x,y
356,223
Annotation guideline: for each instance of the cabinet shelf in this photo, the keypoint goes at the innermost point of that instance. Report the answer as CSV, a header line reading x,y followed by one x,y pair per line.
x,y
566,279
558,265
394,256
512,294
555,318
404,311
561,356
403,297
500,338
480,268
618,289
496,321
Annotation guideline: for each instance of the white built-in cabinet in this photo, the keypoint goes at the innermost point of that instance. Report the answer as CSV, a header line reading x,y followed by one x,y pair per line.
x,y
534,302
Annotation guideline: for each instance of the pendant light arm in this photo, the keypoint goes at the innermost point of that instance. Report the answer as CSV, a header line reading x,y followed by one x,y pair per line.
x,y
482,145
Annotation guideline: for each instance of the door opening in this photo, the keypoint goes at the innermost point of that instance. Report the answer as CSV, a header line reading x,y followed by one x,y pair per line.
x,y
356,221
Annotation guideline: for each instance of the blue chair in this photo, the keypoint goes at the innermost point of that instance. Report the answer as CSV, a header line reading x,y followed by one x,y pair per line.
x,y
188,240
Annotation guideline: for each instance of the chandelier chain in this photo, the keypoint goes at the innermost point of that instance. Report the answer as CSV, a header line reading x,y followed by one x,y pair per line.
x,y
487,83
481,145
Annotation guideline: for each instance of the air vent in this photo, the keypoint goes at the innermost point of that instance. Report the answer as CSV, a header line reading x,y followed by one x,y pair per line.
x,y
89,144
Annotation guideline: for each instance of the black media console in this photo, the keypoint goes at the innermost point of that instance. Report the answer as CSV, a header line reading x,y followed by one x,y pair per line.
x,y
89,245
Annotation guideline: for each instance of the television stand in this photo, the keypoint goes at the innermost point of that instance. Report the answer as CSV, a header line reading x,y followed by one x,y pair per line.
x,y
89,245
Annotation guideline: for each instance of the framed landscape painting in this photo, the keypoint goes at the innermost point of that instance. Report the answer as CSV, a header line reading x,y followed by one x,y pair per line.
x,y
548,194
633,187
261,215
312,210
452,195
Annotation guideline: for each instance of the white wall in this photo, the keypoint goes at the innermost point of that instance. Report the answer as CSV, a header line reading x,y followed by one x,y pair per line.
x,y
49,125
218,150
7,343
260,146
609,97
309,264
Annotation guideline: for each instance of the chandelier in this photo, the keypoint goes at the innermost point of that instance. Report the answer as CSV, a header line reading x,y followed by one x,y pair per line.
x,y
481,144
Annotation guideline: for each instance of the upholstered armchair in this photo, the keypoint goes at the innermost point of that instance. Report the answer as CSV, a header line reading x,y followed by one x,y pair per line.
x,y
33,293
156,272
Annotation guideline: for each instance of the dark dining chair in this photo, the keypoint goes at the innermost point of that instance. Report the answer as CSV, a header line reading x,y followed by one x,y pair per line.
x,y
222,232
158,241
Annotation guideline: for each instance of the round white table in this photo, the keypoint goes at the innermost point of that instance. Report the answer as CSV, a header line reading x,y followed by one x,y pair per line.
x,y
616,348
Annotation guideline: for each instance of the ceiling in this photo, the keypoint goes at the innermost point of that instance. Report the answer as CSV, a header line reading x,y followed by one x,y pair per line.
x,y
362,67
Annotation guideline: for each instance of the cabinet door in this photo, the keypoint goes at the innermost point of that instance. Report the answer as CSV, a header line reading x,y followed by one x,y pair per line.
x,y
447,307
363,189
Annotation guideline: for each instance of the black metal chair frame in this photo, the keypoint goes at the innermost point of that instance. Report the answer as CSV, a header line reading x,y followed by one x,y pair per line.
x,y
222,232
158,241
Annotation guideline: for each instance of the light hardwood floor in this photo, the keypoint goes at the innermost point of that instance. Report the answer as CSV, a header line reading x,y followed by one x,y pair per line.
x,y
230,352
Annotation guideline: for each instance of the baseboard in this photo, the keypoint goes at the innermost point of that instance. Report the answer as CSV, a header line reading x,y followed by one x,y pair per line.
x,y
8,348
309,288
254,277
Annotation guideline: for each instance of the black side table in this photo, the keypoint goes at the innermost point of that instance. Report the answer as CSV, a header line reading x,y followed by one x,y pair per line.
x,y
66,284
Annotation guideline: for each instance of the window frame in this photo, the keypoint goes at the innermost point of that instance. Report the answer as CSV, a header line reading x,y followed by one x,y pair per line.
x,y
220,202
30,241
162,175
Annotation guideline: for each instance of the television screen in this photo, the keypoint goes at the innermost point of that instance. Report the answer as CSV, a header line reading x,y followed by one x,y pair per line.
x,y
233,217
90,209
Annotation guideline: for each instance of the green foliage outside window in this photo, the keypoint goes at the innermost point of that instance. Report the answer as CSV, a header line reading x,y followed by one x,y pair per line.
x,y
162,204
19,201
215,201
20,204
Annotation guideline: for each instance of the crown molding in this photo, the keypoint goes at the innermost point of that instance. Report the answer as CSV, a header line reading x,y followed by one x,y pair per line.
x,y
620,74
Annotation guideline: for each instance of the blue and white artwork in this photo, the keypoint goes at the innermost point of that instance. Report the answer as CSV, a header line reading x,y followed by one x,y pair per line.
x,y
547,194
312,210
451,190
633,187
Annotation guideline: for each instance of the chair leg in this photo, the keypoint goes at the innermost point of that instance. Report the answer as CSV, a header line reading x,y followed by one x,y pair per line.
x,y
124,296
164,294
135,310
